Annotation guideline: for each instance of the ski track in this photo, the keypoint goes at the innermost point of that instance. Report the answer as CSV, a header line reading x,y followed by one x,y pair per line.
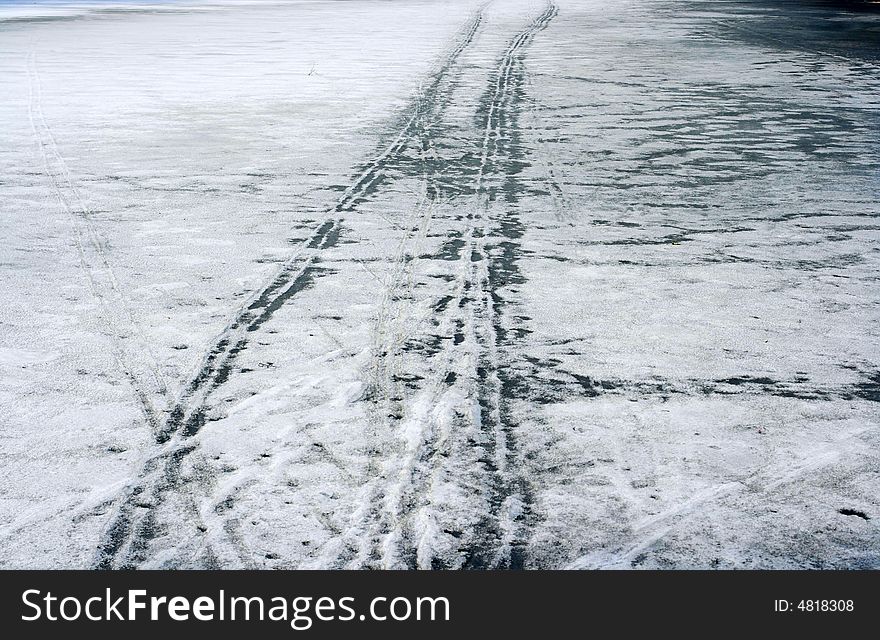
x,y
458,411
138,364
767,479
125,542
500,542
788,44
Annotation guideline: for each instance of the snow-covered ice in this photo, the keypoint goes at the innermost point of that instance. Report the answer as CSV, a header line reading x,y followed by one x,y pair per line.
x,y
424,284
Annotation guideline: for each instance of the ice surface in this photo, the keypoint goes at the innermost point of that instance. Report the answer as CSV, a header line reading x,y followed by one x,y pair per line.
x,y
438,284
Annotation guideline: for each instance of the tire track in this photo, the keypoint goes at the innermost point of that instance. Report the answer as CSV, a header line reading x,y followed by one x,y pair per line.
x,y
134,523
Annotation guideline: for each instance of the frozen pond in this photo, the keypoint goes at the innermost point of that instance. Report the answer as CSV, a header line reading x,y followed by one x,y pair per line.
x,y
420,284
